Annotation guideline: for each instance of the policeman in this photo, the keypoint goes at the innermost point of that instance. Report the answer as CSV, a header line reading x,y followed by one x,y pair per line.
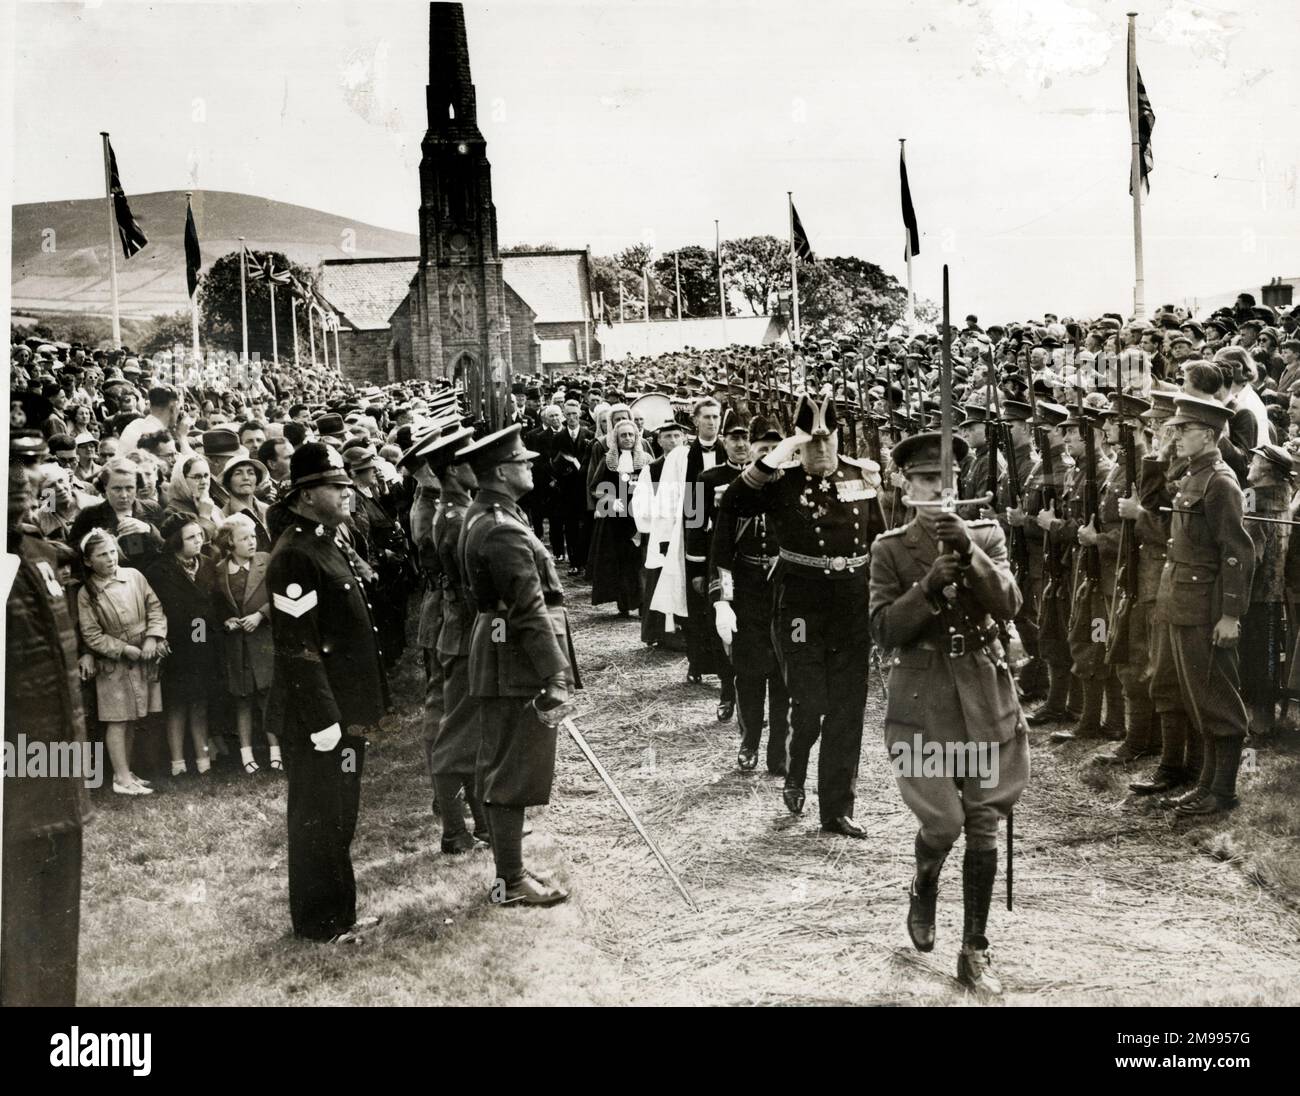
x,y
741,557
940,585
328,687
521,656
825,513
1205,588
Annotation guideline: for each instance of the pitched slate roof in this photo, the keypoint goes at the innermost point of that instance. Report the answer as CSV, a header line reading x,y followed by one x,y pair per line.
x,y
553,283
367,291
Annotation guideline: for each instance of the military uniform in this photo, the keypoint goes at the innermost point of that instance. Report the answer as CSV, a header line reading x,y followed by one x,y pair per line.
x,y
698,540
328,673
742,553
1208,576
519,642
824,526
951,689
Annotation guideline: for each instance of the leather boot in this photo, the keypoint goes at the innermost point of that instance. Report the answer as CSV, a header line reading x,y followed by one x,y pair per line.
x,y
1033,680
796,773
1114,726
1054,710
1089,725
448,787
479,812
1074,698
1141,738
974,968
924,894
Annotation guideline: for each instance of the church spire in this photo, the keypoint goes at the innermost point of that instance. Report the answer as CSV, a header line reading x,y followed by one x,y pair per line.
x,y
450,91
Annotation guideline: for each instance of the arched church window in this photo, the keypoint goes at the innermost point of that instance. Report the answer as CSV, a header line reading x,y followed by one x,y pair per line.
x,y
451,112
462,308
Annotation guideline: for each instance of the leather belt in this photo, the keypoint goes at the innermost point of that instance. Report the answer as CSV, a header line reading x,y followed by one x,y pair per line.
x,y
824,563
957,645
763,562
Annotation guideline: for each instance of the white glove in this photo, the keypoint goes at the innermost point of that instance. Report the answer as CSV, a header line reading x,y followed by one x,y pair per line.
x,y
724,621
327,739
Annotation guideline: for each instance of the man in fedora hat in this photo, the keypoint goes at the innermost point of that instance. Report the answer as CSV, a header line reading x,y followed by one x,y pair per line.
x,y
521,659
327,689
825,512
940,585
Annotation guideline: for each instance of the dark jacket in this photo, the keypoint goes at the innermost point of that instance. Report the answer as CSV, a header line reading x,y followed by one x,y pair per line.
x,y
327,664
193,631
249,657
138,549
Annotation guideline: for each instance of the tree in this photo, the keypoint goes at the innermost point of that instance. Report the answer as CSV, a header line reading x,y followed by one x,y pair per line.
x,y
219,318
635,259
756,267
699,279
528,249
847,295
166,333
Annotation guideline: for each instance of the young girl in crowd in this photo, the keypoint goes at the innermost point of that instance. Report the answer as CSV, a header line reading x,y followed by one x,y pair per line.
x,y
124,628
182,579
241,601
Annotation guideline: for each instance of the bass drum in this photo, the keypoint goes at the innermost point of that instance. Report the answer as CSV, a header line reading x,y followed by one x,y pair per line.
x,y
654,409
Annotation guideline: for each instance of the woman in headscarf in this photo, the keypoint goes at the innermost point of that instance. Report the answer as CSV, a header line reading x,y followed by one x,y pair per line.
x,y
615,558
188,493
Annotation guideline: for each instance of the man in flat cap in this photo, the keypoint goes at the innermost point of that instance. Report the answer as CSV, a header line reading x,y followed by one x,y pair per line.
x,y
940,586
327,689
521,660
1205,591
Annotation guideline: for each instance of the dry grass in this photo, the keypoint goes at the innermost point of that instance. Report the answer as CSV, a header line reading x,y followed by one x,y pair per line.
x,y
186,892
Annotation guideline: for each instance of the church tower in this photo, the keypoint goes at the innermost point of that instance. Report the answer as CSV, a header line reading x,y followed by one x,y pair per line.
x,y
460,328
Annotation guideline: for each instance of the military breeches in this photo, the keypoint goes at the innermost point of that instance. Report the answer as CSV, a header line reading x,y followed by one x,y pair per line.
x,y
1208,680
516,757
1166,696
455,749
1132,671
324,802
946,804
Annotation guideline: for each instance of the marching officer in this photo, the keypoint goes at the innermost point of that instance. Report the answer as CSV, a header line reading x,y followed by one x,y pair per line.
x,y
824,511
741,556
940,585
328,687
520,654
698,535
1205,588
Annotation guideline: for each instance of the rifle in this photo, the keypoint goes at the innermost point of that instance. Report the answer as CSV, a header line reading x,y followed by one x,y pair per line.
x,y
1126,577
1018,547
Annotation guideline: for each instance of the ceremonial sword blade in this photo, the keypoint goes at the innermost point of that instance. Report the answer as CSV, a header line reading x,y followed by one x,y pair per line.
x,y
945,399
576,735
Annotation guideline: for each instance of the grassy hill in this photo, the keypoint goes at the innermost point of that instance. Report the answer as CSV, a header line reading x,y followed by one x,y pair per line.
x,y
60,249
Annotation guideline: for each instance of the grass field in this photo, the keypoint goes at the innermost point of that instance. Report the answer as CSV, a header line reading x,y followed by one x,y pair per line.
x,y
185,898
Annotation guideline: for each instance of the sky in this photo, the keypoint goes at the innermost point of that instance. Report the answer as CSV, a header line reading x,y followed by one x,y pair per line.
x,y
631,121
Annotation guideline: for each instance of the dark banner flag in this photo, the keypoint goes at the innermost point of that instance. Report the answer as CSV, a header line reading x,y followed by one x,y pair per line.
x,y
1146,123
193,257
909,214
802,247
133,237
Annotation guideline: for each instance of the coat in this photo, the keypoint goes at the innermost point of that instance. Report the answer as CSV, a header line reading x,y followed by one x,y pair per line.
x,y
193,631
935,691
124,691
327,665
248,658
42,694
520,636
138,549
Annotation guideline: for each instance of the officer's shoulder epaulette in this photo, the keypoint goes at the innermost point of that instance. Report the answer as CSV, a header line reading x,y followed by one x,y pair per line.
x,y
865,463
891,532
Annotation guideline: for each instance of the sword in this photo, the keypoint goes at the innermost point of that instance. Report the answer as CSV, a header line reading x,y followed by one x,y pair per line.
x,y
576,735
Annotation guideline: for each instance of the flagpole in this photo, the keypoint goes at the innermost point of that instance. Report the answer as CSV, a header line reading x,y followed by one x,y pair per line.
x,y
293,316
677,268
311,332
907,251
645,288
112,241
243,301
324,337
794,267
620,298
722,293
1135,170
275,343
338,356
194,304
